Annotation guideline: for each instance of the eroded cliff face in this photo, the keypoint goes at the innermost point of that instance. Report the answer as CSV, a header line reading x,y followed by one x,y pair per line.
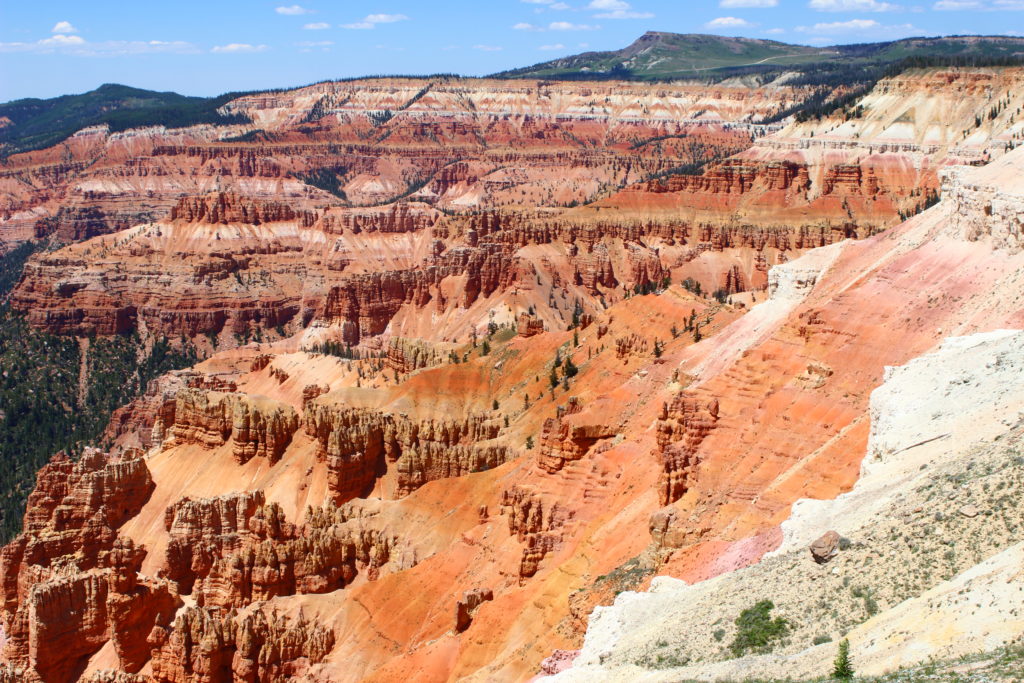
x,y
71,582
458,143
472,426
271,251
357,444
208,646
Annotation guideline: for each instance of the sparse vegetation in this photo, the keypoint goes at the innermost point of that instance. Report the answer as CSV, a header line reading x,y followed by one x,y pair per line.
x,y
757,630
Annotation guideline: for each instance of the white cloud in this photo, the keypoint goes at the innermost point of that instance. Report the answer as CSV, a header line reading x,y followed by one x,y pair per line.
x,y
556,46
852,6
61,40
748,3
293,10
616,9
551,4
867,27
559,6
523,26
238,48
569,26
316,26
988,6
775,31
372,20
80,47
63,27
840,26
488,48
624,14
728,22
386,18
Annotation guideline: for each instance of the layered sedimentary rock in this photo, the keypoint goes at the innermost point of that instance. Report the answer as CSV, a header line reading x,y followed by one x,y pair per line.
x,y
683,426
536,521
570,435
358,444
255,426
225,208
467,606
70,584
462,142
308,187
233,550
256,646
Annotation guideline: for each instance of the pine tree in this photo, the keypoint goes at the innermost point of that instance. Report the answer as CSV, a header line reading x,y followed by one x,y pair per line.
x,y
843,669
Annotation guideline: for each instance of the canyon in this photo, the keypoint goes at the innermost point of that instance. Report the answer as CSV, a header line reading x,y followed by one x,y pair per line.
x,y
505,379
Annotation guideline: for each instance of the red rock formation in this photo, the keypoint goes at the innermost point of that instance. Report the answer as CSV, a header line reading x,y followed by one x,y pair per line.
x,y
234,550
773,409
529,325
205,530
358,444
397,218
569,436
222,207
70,585
683,426
205,647
257,427
537,524
467,605
408,355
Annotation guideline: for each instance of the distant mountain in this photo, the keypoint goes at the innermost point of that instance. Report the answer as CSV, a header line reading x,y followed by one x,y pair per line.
x,y
35,123
658,55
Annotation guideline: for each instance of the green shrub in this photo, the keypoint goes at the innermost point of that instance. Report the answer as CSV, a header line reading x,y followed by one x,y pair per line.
x,y
756,630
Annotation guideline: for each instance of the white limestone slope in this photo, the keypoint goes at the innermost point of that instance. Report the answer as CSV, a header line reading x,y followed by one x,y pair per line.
x,y
926,412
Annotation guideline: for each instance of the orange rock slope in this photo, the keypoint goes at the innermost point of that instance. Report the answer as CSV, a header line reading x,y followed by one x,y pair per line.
x,y
520,418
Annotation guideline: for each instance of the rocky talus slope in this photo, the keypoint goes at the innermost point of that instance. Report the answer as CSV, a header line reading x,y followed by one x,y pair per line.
x,y
431,435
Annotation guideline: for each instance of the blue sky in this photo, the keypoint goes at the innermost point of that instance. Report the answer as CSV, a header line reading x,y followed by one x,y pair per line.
x,y
203,48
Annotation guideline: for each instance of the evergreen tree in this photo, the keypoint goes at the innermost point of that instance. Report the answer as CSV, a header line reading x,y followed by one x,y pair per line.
x,y
843,669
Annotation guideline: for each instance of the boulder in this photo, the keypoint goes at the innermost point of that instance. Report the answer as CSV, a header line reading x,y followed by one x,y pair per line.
x,y
826,547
